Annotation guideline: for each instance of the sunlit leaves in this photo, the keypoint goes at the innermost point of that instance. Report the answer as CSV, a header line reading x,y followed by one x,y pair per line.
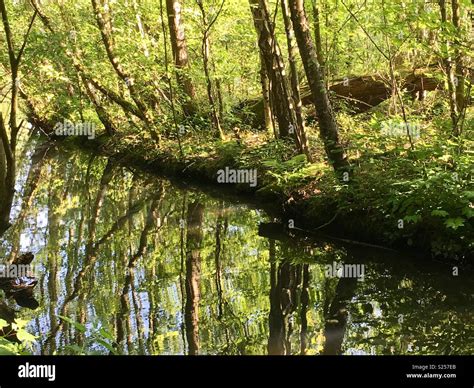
x,y
454,223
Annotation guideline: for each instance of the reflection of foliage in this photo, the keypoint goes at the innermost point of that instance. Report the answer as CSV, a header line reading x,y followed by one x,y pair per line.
x,y
98,336
410,318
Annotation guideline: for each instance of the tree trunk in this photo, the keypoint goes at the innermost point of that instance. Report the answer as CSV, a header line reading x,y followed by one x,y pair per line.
x,y
220,99
302,140
317,35
267,107
8,143
210,95
447,62
327,120
205,51
7,177
141,29
6,191
180,54
458,59
101,112
270,52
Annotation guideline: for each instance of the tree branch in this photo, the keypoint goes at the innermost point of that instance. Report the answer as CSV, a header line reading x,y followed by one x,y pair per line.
x,y
25,39
365,31
8,34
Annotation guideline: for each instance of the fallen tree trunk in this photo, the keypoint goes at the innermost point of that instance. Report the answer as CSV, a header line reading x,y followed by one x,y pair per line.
x,y
365,92
359,93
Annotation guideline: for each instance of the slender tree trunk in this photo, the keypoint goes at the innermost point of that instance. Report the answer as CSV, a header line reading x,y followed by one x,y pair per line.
x,y
327,121
210,94
170,85
9,143
101,112
458,59
180,54
302,140
14,61
280,89
267,107
5,192
141,28
7,177
317,35
220,99
448,67
206,52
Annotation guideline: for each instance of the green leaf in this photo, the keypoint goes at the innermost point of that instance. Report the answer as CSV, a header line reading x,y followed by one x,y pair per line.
x,y
24,336
77,325
454,223
19,324
104,333
108,346
412,218
469,194
439,213
7,351
468,212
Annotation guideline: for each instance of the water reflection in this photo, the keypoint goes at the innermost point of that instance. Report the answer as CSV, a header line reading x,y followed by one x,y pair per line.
x,y
138,266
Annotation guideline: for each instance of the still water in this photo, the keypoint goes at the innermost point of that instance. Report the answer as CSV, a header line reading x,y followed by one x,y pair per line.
x,y
128,263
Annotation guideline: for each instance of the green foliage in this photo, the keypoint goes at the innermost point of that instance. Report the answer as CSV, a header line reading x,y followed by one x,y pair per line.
x,y
95,336
16,329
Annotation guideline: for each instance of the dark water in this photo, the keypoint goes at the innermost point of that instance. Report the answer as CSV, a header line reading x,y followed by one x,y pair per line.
x,y
140,266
